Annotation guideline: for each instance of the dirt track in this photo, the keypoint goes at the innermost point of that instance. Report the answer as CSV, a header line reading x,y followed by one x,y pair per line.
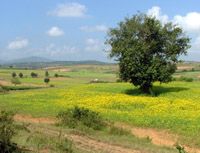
x,y
159,137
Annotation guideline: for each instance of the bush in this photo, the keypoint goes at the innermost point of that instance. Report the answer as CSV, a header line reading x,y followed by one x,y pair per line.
x,y
34,75
7,131
21,75
52,85
15,81
55,143
118,131
119,80
46,80
73,117
56,75
189,80
14,74
186,79
3,89
174,79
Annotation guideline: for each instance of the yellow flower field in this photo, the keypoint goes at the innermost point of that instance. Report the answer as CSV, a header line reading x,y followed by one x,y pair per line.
x,y
176,107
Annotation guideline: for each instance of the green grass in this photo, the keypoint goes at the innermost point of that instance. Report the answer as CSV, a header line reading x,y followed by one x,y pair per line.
x,y
174,106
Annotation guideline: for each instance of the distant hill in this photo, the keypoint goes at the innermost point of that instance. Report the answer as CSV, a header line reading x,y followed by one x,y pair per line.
x,y
51,63
32,59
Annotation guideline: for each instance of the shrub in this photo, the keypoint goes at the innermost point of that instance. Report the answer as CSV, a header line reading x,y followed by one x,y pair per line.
x,y
119,80
21,75
15,81
186,79
7,131
73,117
34,75
47,74
174,79
56,75
46,80
118,131
57,144
3,89
14,74
52,85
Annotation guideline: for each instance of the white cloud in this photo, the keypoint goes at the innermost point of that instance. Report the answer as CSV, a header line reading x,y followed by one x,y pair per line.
x,y
91,41
197,42
190,22
55,32
155,11
93,45
59,51
93,29
69,10
17,44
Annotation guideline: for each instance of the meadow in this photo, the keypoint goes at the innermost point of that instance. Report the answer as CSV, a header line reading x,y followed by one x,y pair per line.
x,y
174,107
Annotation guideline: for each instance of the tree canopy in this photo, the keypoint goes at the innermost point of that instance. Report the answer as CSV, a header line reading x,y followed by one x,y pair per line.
x,y
147,50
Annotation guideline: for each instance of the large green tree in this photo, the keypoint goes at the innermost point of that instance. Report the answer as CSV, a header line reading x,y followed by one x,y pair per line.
x,y
146,49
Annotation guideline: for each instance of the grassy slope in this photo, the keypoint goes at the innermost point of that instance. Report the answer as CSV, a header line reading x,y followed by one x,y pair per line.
x,y
175,108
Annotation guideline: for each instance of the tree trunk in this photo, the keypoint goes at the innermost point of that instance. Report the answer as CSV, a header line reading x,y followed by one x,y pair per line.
x,y
146,88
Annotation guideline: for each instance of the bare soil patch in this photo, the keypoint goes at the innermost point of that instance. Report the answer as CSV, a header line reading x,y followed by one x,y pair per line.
x,y
159,137
50,67
62,70
22,84
184,67
27,118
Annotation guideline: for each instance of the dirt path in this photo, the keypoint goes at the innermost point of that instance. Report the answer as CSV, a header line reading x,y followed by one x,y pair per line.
x,y
159,137
28,118
22,84
184,67
88,144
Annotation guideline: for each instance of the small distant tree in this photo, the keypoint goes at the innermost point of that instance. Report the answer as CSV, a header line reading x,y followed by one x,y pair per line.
x,y
15,81
46,80
21,75
47,74
34,75
14,74
56,75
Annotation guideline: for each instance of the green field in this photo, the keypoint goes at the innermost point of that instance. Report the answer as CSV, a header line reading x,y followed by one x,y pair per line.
x,y
174,107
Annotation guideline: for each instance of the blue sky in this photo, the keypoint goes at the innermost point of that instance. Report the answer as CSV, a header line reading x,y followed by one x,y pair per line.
x,y
76,30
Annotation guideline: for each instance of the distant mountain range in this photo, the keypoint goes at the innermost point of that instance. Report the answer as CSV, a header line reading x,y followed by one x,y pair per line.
x,y
32,59
36,62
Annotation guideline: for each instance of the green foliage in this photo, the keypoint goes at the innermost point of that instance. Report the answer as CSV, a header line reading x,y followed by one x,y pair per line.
x,y
179,148
56,75
34,75
15,81
21,75
113,130
3,89
58,143
146,49
119,80
14,74
186,79
52,85
73,117
46,80
7,131
21,87
47,74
